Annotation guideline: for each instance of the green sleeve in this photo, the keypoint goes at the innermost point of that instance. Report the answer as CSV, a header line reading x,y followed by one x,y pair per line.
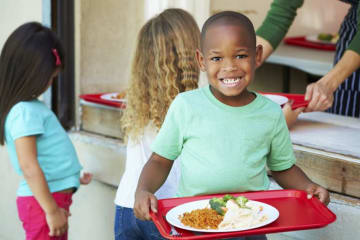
x,y
281,156
355,42
278,20
169,141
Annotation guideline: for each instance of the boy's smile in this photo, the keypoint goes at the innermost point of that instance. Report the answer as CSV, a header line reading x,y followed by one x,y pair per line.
x,y
229,57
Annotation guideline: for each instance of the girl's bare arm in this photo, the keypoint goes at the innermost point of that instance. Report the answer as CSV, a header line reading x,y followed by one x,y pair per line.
x,y
27,155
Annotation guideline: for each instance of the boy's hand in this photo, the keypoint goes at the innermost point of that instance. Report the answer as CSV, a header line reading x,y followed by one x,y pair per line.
x,y
57,222
86,178
143,202
321,193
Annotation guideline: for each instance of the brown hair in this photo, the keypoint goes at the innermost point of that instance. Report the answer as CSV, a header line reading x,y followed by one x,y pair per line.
x,y
27,63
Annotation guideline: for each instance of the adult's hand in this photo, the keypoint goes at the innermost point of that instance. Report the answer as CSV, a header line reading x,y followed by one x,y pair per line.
x,y
320,93
320,96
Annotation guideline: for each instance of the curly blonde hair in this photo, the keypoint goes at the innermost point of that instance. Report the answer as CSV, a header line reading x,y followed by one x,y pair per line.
x,y
164,65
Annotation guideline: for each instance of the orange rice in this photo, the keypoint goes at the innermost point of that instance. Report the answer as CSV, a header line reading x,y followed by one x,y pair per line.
x,y
205,218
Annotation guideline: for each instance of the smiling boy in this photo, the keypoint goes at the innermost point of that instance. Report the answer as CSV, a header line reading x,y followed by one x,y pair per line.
x,y
225,134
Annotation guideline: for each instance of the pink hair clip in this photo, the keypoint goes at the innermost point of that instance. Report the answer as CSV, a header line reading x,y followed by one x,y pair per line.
x,y
58,61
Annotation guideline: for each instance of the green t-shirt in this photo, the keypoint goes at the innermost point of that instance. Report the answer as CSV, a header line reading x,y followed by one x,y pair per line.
x,y
224,148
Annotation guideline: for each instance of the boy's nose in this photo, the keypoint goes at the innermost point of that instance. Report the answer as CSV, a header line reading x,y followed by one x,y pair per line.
x,y
228,66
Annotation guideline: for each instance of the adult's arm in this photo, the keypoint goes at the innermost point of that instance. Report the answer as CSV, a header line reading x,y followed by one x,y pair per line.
x,y
276,24
321,92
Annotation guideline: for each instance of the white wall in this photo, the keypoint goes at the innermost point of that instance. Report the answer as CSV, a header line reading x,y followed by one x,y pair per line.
x,y
13,13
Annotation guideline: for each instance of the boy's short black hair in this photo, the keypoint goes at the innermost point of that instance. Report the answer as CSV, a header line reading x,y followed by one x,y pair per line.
x,y
229,18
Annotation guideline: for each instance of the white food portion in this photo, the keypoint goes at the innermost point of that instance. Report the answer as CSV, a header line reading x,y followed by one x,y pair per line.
x,y
236,217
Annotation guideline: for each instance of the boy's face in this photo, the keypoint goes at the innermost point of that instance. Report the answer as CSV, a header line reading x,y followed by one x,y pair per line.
x,y
229,59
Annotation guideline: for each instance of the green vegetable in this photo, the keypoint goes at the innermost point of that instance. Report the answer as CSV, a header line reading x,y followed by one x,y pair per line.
x,y
325,36
241,201
219,204
227,197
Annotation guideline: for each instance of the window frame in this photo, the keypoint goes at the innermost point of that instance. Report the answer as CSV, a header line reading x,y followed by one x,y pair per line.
x,y
63,88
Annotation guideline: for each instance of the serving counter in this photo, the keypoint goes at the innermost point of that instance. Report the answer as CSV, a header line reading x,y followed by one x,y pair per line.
x,y
311,61
327,148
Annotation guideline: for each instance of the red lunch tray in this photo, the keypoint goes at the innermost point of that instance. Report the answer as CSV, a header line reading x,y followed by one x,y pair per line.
x,y
301,41
96,98
299,99
296,213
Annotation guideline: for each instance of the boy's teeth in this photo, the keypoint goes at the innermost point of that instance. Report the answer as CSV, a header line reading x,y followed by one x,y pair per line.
x,y
231,80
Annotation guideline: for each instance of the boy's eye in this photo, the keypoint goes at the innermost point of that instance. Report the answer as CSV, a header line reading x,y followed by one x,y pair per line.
x,y
241,56
215,59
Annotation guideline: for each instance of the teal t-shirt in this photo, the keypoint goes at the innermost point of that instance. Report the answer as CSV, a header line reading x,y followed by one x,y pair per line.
x,y
55,151
224,148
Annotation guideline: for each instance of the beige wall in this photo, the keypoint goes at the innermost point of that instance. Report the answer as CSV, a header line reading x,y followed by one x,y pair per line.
x,y
105,39
312,17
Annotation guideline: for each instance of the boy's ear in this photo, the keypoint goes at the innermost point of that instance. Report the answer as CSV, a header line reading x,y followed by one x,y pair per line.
x,y
200,60
258,55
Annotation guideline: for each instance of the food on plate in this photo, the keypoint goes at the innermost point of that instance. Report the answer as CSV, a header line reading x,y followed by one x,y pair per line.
x,y
224,213
119,95
205,218
328,37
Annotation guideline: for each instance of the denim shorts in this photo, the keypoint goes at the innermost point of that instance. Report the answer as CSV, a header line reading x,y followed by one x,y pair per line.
x,y
128,227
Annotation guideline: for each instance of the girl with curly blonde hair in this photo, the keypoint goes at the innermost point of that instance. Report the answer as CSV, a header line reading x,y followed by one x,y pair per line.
x,y
164,65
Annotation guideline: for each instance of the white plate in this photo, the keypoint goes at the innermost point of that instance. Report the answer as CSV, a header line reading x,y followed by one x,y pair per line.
x,y
112,97
173,215
277,98
314,38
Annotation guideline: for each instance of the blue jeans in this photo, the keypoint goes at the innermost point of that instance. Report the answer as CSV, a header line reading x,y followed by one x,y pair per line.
x,y
128,227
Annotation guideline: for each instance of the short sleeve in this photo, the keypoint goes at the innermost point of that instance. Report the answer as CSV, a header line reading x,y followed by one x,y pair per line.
x,y
281,150
169,141
23,122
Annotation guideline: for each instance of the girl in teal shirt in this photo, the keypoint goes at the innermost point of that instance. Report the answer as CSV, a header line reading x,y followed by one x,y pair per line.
x,y
39,148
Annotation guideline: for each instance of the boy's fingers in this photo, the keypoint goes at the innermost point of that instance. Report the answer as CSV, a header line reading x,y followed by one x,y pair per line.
x,y
153,204
310,191
323,196
142,210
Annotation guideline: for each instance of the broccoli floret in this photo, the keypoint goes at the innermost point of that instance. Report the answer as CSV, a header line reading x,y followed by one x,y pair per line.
x,y
218,205
241,201
227,197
